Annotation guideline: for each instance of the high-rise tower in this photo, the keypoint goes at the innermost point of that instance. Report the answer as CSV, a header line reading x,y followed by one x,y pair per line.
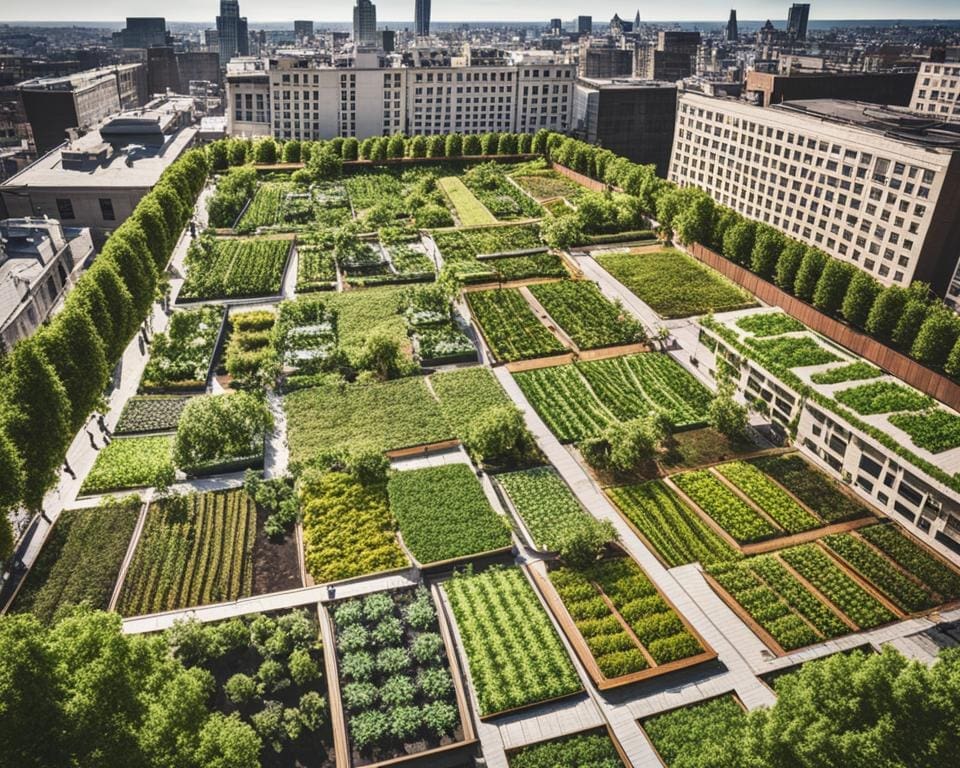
x,y
421,22
365,23
231,31
732,32
797,20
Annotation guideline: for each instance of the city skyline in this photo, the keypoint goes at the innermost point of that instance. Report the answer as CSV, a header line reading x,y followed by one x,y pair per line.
x,y
494,10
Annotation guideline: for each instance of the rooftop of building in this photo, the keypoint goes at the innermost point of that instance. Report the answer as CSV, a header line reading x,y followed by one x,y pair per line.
x,y
130,149
75,80
626,83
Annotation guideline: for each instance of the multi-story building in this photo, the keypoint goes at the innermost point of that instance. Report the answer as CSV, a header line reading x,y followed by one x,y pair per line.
x,y
144,32
168,70
892,88
232,36
299,97
936,91
53,105
869,185
39,263
97,179
673,57
797,21
302,30
365,23
604,57
906,481
633,118
733,31
421,20
585,25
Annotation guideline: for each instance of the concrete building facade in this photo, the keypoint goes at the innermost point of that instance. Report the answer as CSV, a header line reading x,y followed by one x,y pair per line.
x,y
295,97
893,88
936,90
866,185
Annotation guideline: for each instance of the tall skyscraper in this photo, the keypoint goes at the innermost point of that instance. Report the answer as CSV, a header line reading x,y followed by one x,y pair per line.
x,y
797,20
231,31
556,26
732,32
636,21
421,20
365,23
585,25
143,32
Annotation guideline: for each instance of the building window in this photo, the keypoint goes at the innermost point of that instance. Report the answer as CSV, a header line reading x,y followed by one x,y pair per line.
x,y
65,209
106,209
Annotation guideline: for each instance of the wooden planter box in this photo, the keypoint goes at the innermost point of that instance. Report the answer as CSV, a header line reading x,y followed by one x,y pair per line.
x,y
439,757
605,729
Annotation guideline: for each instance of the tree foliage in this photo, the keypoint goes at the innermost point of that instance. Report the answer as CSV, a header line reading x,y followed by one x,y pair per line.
x,y
859,299
936,337
808,275
726,415
217,428
832,286
738,242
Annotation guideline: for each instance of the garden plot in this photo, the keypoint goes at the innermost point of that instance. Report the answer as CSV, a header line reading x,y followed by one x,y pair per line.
x,y
515,657
883,397
546,505
316,267
675,532
465,394
194,550
348,529
268,671
380,416
683,736
443,345
131,462
249,354
915,560
509,326
793,351
234,268
936,430
513,252
724,507
769,497
144,414
586,315
547,184
80,560
579,400
412,195
444,514
590,749
181,357
264,209
304,335
674,284
498,195
363,313
397,681
629,630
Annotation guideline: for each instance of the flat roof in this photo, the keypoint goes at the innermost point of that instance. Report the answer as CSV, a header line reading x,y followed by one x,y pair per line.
x,y
625,83
132,163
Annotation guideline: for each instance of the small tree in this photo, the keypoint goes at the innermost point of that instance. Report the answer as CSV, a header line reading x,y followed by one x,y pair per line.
x,y
885,312
381,354
350,149
908,325
417,146
228,742
738,242
265,151
471,145
581,544
953,362
324,165
767,246
437,146
832,286
860,296
726,415
396,146
562,232
216,428
937,337
499,436
694,222
217,154
811,267
454,145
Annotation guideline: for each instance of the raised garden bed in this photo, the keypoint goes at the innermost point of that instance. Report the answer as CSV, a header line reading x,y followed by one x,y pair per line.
x,y
727,509
144,414
515,656
194,550
465,394
234,268
80,560
915,559
935,430
397,680
588,749
130,462
769,497
772,324
674,284
675,533
444,514
511,329
793,351
182,356
851,372
681,737
586,315
883,397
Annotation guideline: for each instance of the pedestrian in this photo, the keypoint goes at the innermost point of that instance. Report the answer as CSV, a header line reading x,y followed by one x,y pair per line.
x,y
68,469
93,443
103,424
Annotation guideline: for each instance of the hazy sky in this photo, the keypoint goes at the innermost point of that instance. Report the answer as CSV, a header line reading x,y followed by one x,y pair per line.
x,y
474,10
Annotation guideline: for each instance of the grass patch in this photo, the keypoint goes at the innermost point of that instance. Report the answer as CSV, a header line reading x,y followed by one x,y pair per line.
x,y
883,397
794,351
936,430
465,394
470,210
853,372
130,462
674,284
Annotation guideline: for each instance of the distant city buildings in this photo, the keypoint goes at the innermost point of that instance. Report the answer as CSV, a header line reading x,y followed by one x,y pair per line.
x,y
584,25
144,32
672,58
365,23
232,35
302,30
868,185
421,23
733,32
892,88
54,105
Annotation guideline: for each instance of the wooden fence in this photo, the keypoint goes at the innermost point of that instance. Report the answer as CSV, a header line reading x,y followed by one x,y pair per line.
x,y
926,380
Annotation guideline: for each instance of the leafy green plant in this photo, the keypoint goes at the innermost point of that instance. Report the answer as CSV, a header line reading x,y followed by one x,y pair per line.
x,y
794,351
730,512
770,324
131,462
234,268
578,751
144,414
815,489
509,326
883,397
937,430
851,372
770,498
586,315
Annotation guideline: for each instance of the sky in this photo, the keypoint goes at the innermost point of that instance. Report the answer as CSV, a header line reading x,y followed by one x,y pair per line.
x,y
471,10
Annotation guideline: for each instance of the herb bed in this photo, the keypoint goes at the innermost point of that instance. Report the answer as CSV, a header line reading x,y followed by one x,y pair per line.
x,y
770,498
151,413
234,268
815,489
586,315
728,510
130,462
883,397
510,327
545,503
